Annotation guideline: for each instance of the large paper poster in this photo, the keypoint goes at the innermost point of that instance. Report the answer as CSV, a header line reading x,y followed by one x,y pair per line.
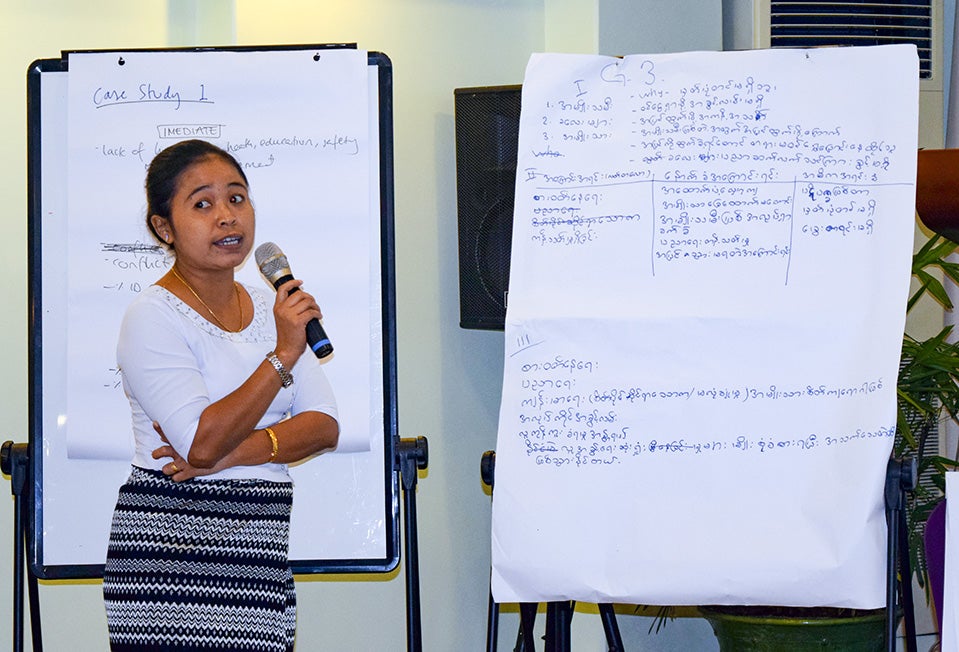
x,y
709,274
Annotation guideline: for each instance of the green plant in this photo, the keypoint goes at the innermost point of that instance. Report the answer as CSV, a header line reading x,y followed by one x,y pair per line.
x,y
928,394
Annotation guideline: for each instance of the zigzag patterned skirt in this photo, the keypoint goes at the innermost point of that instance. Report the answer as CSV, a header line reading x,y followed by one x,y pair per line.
x,y
200,565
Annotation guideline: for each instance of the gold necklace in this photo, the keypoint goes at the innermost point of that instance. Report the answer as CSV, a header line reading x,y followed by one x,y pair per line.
x,y
236,290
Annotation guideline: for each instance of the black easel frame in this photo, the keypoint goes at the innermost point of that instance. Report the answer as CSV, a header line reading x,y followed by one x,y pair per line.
x,y
15,462
412,456
901,479
42,131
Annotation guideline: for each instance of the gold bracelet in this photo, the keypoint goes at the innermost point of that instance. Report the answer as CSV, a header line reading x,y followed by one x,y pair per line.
x,y
273,441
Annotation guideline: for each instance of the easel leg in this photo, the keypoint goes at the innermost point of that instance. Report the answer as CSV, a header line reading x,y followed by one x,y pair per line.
x,y
18,569
34,596
492,624
410,456
614,642
527,620
14,460
901,477
559,616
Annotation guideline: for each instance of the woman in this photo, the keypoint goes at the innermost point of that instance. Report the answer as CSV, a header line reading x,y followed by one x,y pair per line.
x,y
223,396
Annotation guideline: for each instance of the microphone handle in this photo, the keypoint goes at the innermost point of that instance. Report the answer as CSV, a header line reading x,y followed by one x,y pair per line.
x,y
315,335
317,339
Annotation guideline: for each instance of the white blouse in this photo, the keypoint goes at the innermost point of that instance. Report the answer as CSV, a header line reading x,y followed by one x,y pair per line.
x,y
174,363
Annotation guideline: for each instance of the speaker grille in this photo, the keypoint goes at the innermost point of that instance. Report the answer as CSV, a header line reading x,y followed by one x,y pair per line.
x,y
487,134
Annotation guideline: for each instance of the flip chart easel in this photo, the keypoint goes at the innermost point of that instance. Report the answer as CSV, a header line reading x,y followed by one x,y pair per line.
x,y
71,498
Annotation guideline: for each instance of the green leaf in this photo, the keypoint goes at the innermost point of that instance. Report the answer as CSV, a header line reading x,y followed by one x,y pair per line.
x,y
927,392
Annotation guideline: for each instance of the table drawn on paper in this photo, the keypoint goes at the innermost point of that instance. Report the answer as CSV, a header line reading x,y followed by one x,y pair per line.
x,y
707,170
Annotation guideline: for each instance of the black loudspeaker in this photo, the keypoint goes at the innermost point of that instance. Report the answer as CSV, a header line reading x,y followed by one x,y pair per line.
x,y
487,135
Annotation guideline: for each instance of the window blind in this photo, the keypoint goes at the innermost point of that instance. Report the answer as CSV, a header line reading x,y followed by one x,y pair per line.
x,y
798,24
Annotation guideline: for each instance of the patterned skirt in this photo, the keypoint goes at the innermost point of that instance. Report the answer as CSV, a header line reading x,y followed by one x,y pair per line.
x,y
200,565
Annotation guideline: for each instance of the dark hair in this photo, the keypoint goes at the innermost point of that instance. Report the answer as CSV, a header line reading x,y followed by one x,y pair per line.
x,y
165,170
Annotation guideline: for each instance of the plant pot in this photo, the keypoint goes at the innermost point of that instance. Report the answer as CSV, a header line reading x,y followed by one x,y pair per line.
x,y
937,202
747,629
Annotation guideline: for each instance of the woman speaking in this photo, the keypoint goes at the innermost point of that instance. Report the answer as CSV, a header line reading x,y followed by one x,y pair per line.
x,y
223,394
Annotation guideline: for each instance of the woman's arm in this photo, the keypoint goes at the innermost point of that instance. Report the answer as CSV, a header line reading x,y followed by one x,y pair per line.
x,y
297,438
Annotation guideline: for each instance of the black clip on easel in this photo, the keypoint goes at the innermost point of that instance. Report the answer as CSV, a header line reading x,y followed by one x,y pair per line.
x,y
14,462
559,615
901,478
411,455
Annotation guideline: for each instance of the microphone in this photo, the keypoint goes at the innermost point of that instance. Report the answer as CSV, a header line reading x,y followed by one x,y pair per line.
x,y
274,266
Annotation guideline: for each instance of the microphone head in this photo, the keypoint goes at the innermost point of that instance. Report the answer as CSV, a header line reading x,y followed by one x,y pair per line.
x,y
272,262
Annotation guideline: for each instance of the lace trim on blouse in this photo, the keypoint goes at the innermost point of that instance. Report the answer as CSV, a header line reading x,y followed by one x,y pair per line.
x,y
255,332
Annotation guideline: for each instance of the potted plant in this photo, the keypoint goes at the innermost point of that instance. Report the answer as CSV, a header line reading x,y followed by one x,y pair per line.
x,y
928,393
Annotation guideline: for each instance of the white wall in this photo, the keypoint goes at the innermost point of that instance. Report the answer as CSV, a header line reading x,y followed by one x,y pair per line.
x,y
653,26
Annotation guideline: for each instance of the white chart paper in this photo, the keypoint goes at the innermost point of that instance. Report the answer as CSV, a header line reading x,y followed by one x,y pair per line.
x,y
306,151
710,263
